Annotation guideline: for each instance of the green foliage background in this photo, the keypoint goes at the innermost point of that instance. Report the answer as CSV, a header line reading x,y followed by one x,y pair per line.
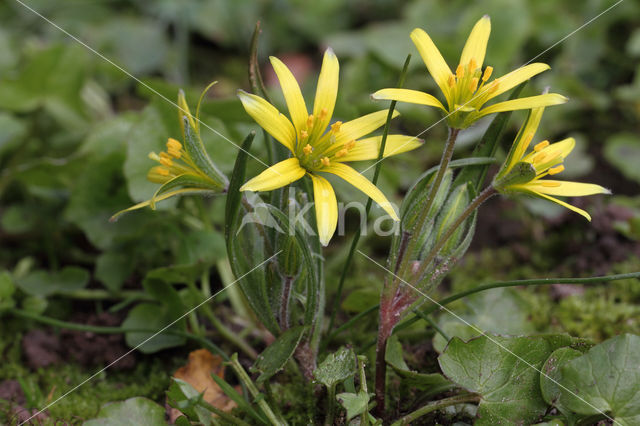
x,y
76,128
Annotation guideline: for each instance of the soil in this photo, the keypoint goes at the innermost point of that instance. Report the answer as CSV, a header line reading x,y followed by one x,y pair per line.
x,y
45,347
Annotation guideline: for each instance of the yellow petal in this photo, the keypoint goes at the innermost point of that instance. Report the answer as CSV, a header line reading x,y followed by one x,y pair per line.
x,y
269,118
292,94
512,79
562,203
276,176
433,59
363,184
326,208
407,95
326,91
368,149
566,189
183,111
523,139
476,45
355,129
524,103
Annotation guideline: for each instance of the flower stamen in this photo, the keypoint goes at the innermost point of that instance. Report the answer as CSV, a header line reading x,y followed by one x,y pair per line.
x,y
556,170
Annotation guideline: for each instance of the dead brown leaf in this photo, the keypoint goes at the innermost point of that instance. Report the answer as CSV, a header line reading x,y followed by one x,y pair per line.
x,y
197,373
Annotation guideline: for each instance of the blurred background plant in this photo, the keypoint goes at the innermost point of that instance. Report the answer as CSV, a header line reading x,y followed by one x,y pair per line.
x,y
75,132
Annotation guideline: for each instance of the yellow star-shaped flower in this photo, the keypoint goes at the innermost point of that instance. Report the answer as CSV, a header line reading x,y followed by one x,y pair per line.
x,y
469,89
319,147
523,173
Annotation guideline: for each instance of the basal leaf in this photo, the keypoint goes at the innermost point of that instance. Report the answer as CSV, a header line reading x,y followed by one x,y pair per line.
x,y
272,359
505,371
605,380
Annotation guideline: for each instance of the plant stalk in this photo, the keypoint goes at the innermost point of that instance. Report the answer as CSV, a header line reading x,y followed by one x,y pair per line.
x,y
260,400
487,193
284,303
376,175
436,405
442,169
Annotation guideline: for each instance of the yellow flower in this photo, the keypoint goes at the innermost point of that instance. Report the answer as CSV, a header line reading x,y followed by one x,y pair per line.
x,y
316,146
469,88
183,169
523,173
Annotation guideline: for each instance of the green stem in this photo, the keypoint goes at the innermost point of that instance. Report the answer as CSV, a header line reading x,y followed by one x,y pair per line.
x,y
419,224
503,284
85,294
244,378
487,193
433,324
224,331
347,325
376,175
113,330
436,405
331,402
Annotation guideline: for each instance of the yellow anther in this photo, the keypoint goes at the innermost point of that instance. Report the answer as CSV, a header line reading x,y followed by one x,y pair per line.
x,y
307,149
342,152
472,65
350,144
460,72
540,146
550,184
174,153
310,121
165,159
323,113
487,73
325,161
452,80
174,145
335,127
474,84
161,171
556,170
304,134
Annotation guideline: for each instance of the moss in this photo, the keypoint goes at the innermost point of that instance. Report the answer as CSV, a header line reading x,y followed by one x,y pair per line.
x,y
150,378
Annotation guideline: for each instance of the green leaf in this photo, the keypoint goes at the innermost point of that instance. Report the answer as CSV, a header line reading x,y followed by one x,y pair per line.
x,y
11,131
336,367
623,151
7,288
428,384
505,372
138,410
501,311
354,403
113,268
202,246
238,399
153,317
234,196
43,283
551,381
605,379
272,359
182,396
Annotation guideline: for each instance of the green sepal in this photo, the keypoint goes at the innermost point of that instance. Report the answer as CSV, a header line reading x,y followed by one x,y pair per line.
x,y
522,172
186,181
196,151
